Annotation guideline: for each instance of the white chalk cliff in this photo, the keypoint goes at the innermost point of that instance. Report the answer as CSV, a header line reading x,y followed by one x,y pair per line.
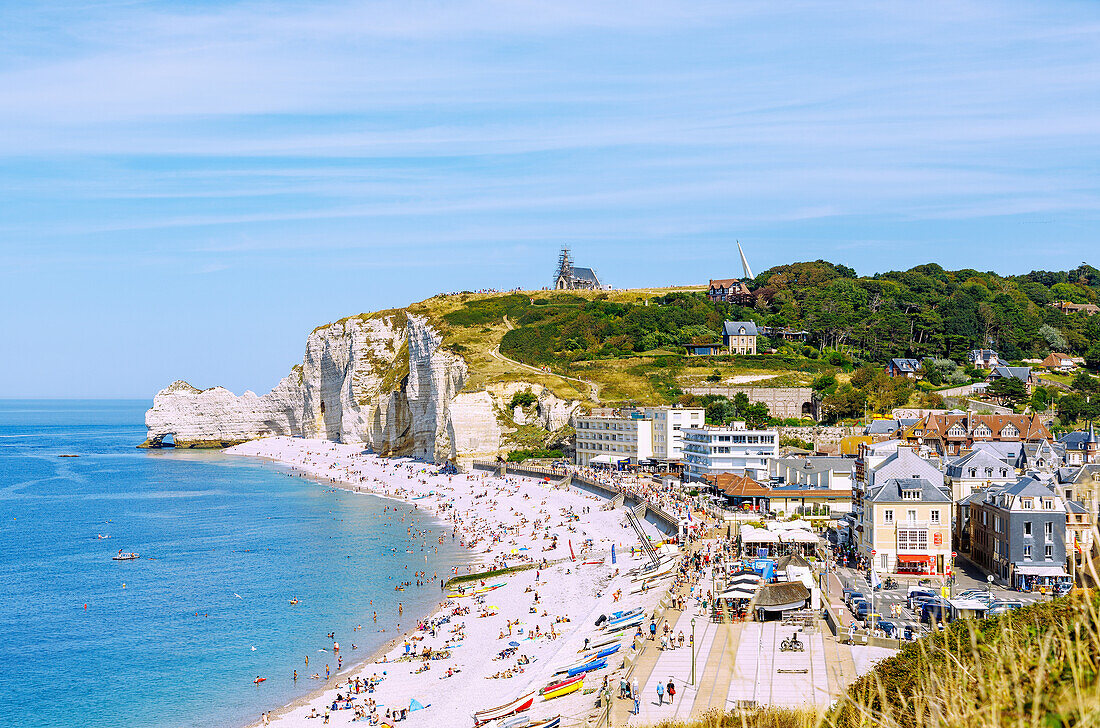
x,y
382,380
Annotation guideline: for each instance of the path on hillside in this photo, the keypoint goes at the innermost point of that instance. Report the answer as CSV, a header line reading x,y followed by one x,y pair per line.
x,y
495,352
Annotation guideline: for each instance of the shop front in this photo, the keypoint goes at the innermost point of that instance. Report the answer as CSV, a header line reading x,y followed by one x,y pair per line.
x,y
1028,577
916,564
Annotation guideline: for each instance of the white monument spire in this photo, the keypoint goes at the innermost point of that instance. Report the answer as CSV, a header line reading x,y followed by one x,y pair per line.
x,y
744,261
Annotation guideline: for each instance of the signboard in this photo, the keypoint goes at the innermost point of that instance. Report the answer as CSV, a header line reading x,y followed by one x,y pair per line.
x,y
937,539
761,553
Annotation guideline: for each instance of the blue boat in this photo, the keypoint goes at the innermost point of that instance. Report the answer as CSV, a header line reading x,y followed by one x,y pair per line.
x,y
597,665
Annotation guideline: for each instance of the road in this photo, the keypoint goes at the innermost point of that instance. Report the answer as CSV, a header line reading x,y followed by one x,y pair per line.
x,y
495,352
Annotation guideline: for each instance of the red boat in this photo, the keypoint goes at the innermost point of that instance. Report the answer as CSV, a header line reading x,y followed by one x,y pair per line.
x,y
520,704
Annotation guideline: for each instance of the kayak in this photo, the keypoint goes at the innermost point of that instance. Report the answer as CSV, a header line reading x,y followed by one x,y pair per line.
x,y
259,680
597,665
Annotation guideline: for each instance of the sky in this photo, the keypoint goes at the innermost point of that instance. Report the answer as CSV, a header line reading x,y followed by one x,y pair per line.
x,y
187,189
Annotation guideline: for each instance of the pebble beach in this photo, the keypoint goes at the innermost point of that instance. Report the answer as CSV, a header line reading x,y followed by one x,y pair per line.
x,y
516,634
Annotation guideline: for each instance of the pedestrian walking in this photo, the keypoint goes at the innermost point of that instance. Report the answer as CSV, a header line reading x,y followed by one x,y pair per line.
x,y
634,693
660,693
671,691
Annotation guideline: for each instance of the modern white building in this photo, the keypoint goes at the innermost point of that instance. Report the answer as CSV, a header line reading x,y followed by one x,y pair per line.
x,y
606,437
729,449
668,424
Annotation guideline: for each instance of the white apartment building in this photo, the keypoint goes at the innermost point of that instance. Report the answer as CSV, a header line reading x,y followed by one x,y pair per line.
x,y
604,440
608,438
668,424
729,449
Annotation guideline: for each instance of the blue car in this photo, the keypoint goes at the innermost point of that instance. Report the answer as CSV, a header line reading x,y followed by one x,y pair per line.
x,y
935,611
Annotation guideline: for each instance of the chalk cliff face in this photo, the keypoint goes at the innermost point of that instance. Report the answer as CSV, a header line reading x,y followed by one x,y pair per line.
x,y
382,380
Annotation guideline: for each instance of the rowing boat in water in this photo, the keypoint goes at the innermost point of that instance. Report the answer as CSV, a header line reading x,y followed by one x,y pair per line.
x,y
520,704
124,557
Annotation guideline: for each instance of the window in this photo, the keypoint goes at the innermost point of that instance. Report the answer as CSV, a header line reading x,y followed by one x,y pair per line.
x,y
1027,552
912,540
973,472
1049,552
882,561
1048,529
935,515
888,516
1027,504
911,515
1048,504
1027,528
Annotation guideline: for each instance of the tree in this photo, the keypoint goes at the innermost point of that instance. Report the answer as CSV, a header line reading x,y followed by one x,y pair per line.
x,y
1085,384
845,402
1053,337
756,415
1070,408
1008,389
1092,358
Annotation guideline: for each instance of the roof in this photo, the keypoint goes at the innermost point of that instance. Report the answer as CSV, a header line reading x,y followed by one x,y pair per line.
x,y
724,282
796,559
1076,507
980,459
905,464
906,365
733,328
782,596
937,426
1078,440
882,427
890,491
585,274
738,486
1001,372
1027,486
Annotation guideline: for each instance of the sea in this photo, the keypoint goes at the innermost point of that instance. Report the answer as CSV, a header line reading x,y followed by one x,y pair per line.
x,y
178,636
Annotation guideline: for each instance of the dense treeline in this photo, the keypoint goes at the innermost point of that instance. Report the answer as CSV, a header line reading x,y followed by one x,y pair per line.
x,y
922,312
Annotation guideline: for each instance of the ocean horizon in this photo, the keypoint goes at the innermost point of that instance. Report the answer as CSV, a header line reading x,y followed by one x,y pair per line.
x,y
177,636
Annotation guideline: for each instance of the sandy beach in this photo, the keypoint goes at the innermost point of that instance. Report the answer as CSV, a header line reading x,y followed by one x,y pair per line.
x,y
486,649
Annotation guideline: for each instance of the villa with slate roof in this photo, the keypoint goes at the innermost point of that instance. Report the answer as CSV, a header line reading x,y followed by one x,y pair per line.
x,y
951,434
739,337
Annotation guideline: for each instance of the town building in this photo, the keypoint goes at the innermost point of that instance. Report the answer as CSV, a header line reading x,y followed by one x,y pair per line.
x,y
910,368
650,435
739,337
905,527
571,278
953,433
830,472
712,450
1023,374
1082,447
985,359
1017,533
613,440
1070,307
729,290
668,432
1059,362
975,470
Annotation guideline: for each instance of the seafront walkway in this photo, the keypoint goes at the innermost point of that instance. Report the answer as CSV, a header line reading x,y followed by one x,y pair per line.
x,y
740,665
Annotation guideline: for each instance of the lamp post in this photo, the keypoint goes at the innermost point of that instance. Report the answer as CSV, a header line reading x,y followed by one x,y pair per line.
x,y
693,651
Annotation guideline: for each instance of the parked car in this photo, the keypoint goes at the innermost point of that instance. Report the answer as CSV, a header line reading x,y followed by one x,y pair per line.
x,y
935,611
1003,607
856,597
1062,588
890,629
919,595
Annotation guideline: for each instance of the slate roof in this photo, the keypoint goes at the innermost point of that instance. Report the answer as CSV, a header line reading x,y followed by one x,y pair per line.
x,y
732,328
1027,486
890,491
1076,507
786,594
905,464
585,274
979,459
1001,372
1078,440
906,365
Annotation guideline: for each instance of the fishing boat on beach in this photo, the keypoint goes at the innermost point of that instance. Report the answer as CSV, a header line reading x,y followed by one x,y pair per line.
x,y
562,687
520,704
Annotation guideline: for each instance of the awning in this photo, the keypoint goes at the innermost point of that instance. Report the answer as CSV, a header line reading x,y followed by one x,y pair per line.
x,y
738,593
912,559
606,459
1040,570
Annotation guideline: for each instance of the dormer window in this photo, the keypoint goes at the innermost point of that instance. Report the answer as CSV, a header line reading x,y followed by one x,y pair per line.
x,y
956,431
982,431
989,472
910,495
973,472
1027,504
1048,504
1010,431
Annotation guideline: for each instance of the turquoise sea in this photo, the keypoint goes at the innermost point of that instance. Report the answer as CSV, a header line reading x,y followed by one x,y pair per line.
x,y
225,543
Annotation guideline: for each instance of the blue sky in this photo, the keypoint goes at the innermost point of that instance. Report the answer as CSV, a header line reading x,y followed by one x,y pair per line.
x,y
187,189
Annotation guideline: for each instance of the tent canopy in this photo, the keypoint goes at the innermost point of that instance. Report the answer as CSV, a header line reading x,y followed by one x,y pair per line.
x,y
606,459
1040,570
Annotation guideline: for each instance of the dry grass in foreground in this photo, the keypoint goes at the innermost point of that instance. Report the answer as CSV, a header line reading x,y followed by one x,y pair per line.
x,y
1034,668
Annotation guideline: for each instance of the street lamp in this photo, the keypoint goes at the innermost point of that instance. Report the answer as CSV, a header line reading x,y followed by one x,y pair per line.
x,y
693,651
989,589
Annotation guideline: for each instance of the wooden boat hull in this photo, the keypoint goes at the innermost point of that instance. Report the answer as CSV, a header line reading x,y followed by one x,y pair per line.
x,y
566,689
560,684
520,704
